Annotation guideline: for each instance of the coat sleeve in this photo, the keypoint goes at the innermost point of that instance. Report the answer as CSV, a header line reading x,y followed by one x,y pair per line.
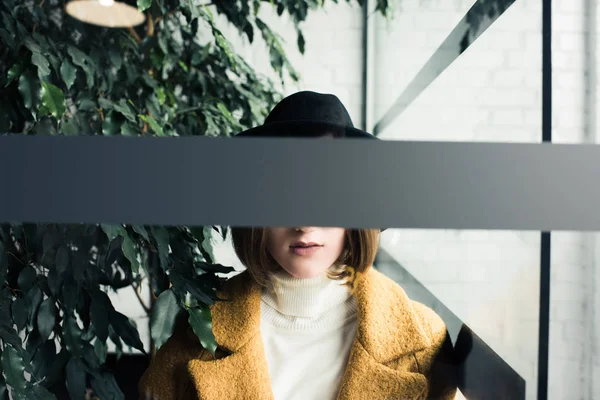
x,y
437,361
166,377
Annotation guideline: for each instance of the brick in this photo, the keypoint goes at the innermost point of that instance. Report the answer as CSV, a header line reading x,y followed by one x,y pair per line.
x,y
483,58
508,78
524,60
570,80
568,22
572,6
577,332
568,291
570,119
571,41
507,117
568,311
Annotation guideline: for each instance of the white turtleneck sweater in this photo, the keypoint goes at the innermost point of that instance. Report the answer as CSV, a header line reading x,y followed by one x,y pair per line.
x,y
307,327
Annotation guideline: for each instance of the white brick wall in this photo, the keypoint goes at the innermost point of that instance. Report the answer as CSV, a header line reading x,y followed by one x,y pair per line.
x,y
490,93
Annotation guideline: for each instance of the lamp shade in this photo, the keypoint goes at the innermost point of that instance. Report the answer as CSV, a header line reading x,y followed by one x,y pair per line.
x,y
109,13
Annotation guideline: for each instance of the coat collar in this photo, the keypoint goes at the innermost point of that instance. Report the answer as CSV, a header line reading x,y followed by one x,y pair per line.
x,y
388,328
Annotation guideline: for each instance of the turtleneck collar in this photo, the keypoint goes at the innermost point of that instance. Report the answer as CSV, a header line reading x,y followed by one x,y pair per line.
x,y
304,298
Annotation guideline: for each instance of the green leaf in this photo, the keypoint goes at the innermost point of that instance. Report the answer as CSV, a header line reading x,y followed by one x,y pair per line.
x,y
124,327
161,235
87,105
45,125
153,124
201,322
34,295
105,387
8,21
46,318
194,287
164,315
128,129
3,388
19,313
71,335
130,252
14,368
8,335
62,260
105,103
116,340
226,113
29,87
54,282
101,350
100,310
70,127
143,5
43,359
112,231
70,292
56,371
34,341
41,63
68,73
124,108
110,126
162,97
139,229
81,59
27,278
75,378
3,264
301,42
13,73
183,66
53,99
115,57
214,268
38,392
32,45
90,357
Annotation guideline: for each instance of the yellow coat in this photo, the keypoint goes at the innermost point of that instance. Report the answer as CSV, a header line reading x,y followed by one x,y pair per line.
x,y
401,350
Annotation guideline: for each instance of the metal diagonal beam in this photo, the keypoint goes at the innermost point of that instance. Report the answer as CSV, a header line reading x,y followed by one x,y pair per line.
x,y
464,34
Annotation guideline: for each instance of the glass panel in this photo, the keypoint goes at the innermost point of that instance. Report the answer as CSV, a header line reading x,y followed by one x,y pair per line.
x,y
574,305
574,339
488,279
489,93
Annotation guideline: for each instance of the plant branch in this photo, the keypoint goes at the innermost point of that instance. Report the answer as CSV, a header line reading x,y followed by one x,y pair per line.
x,y
168,14
133,33
137,294
150,26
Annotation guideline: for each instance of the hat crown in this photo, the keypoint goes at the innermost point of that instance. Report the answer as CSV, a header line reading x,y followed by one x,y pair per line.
x,y
310,107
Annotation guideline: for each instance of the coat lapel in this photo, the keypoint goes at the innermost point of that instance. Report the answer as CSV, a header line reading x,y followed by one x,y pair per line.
x,y
389,333
243,372
381,362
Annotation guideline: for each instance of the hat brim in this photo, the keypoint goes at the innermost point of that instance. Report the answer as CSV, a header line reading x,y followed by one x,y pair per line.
x,y
304,129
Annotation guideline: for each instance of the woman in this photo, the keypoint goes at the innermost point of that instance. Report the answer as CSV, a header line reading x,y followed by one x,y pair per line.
x,y
309,318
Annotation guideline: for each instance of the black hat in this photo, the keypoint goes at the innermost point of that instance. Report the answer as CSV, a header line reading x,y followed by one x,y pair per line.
x,y
308,114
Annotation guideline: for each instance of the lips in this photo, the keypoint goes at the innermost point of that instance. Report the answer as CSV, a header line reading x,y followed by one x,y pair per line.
x,y
305,249
304,245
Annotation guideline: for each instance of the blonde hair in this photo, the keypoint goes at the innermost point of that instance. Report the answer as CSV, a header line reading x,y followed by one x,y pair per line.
x,y
360,249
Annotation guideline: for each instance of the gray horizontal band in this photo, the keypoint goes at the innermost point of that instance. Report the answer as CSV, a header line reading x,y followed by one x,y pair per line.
x,y
291,182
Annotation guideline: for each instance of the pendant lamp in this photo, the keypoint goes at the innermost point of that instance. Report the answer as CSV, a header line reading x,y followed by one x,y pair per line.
x,y
109,13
